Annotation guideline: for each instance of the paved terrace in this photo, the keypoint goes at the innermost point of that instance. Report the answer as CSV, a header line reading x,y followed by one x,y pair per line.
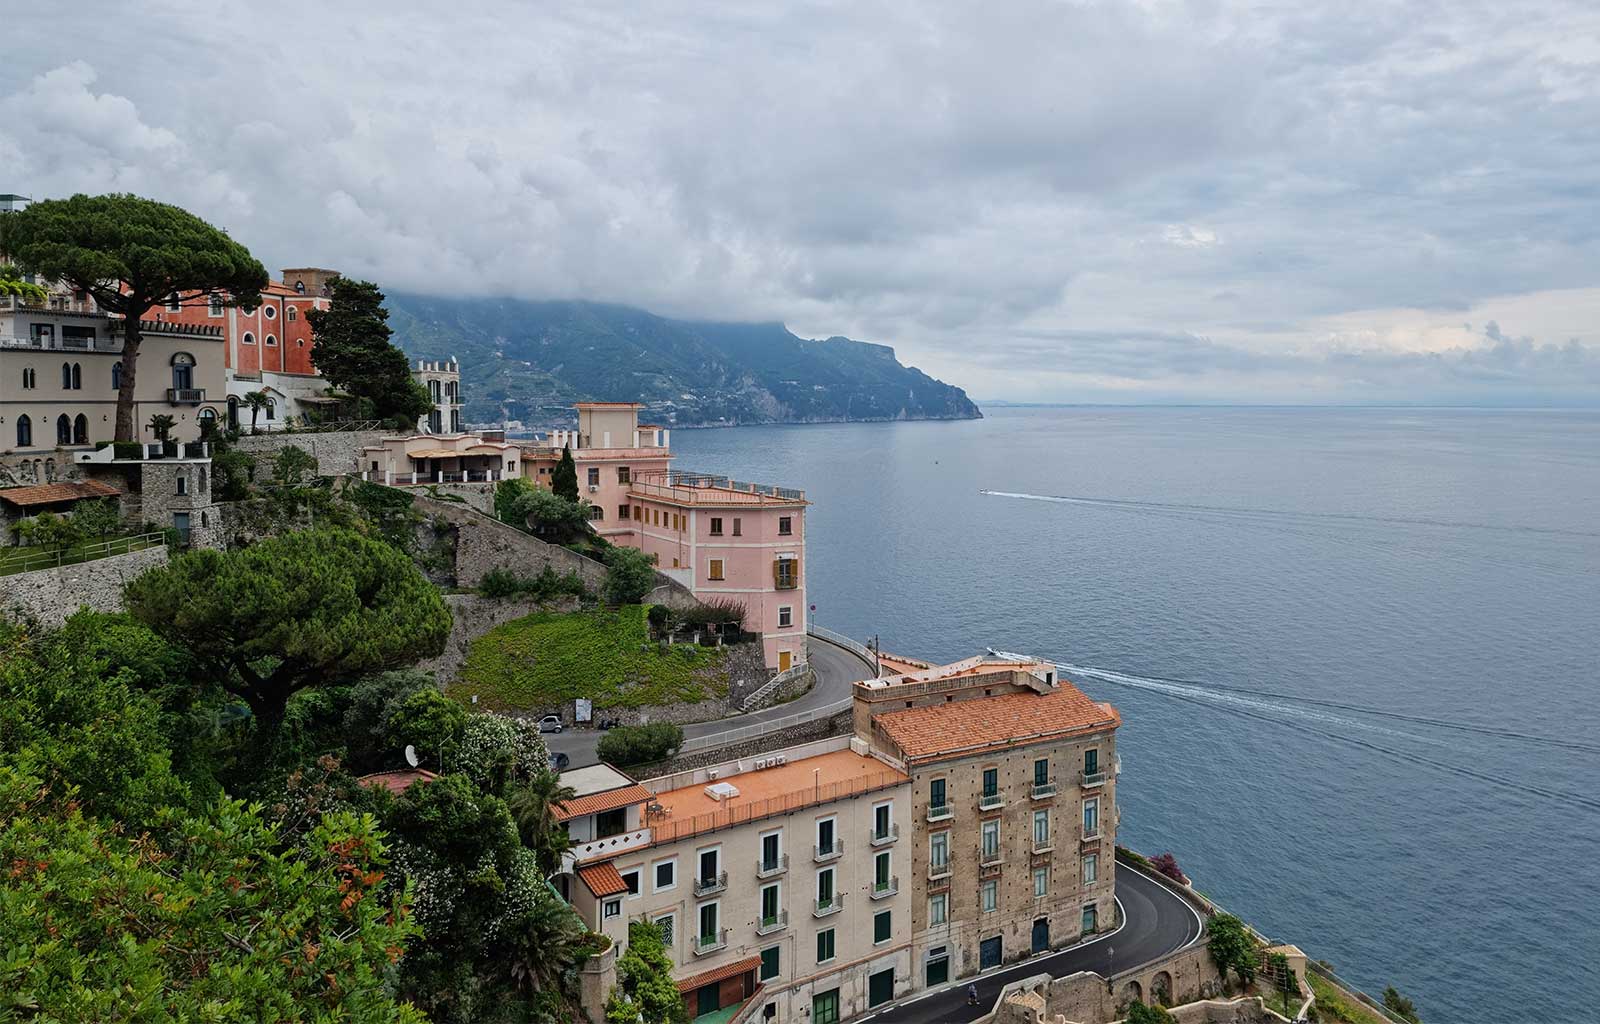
x,y
685,488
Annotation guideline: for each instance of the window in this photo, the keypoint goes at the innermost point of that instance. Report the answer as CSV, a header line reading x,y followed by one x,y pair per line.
x,y
769,963
638,512
631,880
63,429
667,925
881,868
77,377
290,313
714,572
825,891
594,476
80,430
1091,817
1041,883
622,511
939,908
786,573
612,908
622,475
771,851
299,287
716,526
825,1007
174,303
272,408
710,865
202,478
738,527
596,513
248,339
183,484
786,616
989,896
214,305
785,526
1041,829
666,875
271,340
611,823
881,821
28,378
1041,772
1091,762
991,781
66,376
824,946
881,927
769,905
991,840
24,431
270,314
1091,868
1089,919
939,852
825,836
708,924
936,793
116,375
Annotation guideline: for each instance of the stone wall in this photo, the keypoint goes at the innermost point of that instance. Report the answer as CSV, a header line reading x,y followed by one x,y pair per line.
x,y
49,596
778,739
472,616
1089,998
478,496
336,452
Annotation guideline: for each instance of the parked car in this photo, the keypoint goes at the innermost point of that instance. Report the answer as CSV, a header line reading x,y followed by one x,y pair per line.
x,y
559,761
550,723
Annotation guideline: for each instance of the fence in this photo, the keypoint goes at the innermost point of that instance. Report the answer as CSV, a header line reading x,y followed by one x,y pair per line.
x,y
759,729
860,650
22,560
1365,1000
664,830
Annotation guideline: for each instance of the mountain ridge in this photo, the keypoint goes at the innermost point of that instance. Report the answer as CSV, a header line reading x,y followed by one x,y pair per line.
x,y
530,360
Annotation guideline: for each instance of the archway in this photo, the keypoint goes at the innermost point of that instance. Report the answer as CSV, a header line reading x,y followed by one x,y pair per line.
x,y
1131,993
1161,988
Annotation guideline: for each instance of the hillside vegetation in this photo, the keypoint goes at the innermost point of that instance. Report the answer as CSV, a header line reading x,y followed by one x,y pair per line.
x,y
606,655
531,360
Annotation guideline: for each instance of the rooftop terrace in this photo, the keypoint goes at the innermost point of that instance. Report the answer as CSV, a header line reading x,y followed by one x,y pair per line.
x,y
686,488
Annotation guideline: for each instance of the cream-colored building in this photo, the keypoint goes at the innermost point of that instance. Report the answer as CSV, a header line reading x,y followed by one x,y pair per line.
x,y
61,366
441,379
779,881
448,458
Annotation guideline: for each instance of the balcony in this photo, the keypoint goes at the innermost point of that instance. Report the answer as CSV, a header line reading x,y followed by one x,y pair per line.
x,y
774,924
885,837
832,905
1089,834
1091,780
938,871
941,812
1042,848
704,944
772,868
185,396
610,846
991,802
707,886
822,854
988,857
1043,790
885,889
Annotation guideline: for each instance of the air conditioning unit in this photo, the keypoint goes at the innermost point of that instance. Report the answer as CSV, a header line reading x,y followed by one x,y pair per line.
x,y
711,773
780,759
761,763
593,488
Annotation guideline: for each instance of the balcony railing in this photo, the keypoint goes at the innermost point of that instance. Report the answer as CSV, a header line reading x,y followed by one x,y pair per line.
x,y
831,905
987,857
776,923
826,853
885,836
938,871
991,802
1093,779
1089,834
610,846
941,812
1041,846
1044,790
704,944
772,868
707,886
186,396
885,889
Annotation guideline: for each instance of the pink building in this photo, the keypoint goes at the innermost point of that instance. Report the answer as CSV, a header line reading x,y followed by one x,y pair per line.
x,y
720,538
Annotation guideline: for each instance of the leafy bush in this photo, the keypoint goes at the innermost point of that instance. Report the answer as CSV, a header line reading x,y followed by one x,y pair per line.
x,y
503,583
660,619
49,531
1400,1005
429,721
1167,864
645,990
506,494
497,751
128,450
1232,947
630,575
97,519
1139,1013
639,744
724,613
549,515
1284,982
232,472
292,465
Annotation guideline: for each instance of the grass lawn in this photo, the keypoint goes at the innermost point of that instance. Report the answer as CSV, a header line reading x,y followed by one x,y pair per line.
x,y
26,559
1334,1005
603,654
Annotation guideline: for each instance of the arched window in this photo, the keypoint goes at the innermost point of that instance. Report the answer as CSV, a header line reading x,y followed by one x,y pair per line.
x,y
80,429
24,431
116,375
63,429
183,484
182,371
233,413
272,408
271,340
29,378
77,377
248,339
208,415
290,313
300,287
203,522
202,481
66,376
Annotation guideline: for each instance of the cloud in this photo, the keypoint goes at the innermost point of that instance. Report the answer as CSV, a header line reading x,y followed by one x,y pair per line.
x,y
1199,199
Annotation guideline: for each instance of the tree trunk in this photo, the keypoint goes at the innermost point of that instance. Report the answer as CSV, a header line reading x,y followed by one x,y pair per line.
x,y
127,423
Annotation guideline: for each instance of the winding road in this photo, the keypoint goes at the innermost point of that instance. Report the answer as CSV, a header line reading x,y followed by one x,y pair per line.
x,y
1156,921
835,667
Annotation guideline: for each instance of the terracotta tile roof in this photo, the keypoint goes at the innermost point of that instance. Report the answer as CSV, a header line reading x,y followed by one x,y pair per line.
x,y
48,494
970,726
603,879
610,800
717,974
397,781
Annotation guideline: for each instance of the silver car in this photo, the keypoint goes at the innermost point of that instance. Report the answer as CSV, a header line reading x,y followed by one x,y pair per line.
x,y
550,723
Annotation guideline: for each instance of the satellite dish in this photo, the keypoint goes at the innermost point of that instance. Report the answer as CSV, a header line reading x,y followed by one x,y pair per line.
x,y
411,756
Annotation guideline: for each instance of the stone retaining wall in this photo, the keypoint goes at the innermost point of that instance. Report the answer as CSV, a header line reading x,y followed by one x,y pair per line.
x,y
804,732
50,596
336,452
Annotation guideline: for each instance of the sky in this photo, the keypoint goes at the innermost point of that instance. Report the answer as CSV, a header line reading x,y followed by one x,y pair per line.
x,y
1312,201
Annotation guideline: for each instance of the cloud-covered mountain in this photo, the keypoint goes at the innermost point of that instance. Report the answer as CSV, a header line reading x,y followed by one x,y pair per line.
x,y
530,361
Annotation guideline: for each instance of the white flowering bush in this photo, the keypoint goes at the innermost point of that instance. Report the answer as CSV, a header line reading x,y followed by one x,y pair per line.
x,y
498,751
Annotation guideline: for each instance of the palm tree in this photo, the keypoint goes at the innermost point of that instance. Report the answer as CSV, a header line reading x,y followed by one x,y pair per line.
x,y
546,948
533,807
256,400
161,425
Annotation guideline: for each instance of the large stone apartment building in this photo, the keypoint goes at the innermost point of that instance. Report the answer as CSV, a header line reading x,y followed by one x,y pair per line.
x,y
967,821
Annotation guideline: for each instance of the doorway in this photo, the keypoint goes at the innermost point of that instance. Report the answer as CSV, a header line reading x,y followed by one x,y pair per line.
x,y
1041,934
880,987
938,969
708,999
989,953
785,659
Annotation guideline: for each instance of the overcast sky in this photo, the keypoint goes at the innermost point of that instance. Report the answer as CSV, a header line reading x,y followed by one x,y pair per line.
x,y
1306,201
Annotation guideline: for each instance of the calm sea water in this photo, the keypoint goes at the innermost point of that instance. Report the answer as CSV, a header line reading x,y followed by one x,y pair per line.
x,y
1356,652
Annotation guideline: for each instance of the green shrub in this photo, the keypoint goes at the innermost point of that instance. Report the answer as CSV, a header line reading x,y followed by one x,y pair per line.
x,y
1232,947
1139,1013
630,575
639,744
503,583
128,450
506,494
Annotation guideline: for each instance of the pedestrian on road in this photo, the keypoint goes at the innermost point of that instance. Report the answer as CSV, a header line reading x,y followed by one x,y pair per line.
x,y
972,995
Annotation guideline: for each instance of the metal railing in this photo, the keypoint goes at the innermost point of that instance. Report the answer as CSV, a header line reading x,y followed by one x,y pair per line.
x,y
1092,779
991,801
1043,790
830,905
707,886
759,729
860,650
185,396
941,812
885,889
830,852
772,869
885,837
23,560
776,923
666,829
704,944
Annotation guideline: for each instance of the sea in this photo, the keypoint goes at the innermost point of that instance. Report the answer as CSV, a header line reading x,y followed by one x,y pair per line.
x,y
1356,651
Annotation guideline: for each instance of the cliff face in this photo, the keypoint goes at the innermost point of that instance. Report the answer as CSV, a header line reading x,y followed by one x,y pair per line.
x,y
530,361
